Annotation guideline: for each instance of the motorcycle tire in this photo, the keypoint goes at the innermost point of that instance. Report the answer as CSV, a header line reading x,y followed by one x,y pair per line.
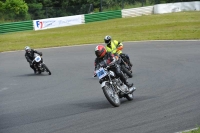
x,y
125,70
47,69
112,97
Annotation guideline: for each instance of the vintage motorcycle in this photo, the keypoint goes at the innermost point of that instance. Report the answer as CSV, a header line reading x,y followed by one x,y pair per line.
x,y
40,65
125,67
113,88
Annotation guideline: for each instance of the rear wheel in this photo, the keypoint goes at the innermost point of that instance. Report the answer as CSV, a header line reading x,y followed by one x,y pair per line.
x,y
46,68
111,96
125,70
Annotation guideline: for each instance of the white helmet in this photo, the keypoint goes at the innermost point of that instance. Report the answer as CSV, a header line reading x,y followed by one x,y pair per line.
x,y
28,49
107,39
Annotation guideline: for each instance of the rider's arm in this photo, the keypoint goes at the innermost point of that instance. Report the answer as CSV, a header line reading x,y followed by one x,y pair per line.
x,y
113,59
96,64
28,59
35,51
119,45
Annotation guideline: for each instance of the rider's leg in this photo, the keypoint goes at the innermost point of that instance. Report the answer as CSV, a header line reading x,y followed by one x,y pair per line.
x,y
123,79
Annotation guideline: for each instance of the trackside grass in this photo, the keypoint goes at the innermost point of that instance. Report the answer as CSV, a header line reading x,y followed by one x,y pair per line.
x,y
193,131
173,26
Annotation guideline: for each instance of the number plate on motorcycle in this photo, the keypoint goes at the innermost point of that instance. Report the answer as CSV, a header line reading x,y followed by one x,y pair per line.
x,y
101,73
38,58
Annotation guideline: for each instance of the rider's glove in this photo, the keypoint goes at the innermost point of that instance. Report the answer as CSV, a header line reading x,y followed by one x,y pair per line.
x,y
95,74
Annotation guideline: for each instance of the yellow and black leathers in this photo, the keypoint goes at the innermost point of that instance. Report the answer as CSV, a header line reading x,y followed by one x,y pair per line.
x,y
114,47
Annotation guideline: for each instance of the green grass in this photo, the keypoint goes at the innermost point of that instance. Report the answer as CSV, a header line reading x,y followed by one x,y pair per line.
x,y
194,131
173,26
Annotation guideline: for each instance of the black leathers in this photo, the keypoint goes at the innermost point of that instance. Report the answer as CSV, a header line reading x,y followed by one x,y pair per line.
x,y
30,57
109,59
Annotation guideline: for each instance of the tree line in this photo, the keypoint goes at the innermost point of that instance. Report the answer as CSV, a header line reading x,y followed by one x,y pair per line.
x,y
18,10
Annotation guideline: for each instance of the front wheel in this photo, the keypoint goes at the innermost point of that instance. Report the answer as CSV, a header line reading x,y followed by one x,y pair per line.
x,y
46,68
111,96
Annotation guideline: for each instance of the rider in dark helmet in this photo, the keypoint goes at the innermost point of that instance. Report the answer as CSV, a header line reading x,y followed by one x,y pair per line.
x,y
110,59
29,55
116,47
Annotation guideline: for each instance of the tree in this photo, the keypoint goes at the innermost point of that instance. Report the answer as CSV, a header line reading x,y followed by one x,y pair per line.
x,y
15,9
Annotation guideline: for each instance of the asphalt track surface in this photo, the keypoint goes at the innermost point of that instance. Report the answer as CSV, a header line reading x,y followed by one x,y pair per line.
x,y
167,99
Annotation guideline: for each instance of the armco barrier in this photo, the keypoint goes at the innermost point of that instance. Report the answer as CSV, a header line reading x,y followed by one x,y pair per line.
x,y
103,16
16,26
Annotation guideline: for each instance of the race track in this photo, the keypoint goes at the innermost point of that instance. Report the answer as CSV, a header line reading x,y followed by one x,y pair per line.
x,y
167,99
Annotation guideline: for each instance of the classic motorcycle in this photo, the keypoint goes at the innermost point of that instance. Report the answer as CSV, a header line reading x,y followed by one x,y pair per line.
x,y
113,88
125,67
40,65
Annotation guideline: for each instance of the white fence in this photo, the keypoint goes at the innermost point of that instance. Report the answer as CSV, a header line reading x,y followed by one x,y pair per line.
x,y
161,8
134,12
177,7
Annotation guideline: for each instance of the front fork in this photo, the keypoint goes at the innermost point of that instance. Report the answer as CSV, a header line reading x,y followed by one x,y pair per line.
x,y
115,91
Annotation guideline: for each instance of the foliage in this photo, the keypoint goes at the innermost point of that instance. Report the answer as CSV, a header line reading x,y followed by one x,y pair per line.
x,y
14,9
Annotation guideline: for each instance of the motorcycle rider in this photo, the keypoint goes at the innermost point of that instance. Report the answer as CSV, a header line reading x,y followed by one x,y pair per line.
x,y
116,47
29,55
110,59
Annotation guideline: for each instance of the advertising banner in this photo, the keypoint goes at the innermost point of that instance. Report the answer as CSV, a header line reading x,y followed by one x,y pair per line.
x,y
57,22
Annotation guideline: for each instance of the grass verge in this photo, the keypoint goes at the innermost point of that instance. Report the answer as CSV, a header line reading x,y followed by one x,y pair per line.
x,y
173,26
193,131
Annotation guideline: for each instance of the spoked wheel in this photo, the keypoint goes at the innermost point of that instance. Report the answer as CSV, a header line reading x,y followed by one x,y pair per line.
x,y
111,96
46,68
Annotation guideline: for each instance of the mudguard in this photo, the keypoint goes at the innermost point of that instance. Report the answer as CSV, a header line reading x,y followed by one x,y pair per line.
x,y
104,83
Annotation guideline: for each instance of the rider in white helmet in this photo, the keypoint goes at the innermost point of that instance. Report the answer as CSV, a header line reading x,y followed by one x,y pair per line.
x,y
29,55
116,47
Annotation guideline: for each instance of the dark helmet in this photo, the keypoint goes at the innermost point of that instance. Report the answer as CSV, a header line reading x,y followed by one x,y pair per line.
x,y
100,51
28,49
107,39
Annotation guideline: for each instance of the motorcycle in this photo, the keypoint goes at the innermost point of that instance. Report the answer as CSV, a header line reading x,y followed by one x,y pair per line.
x,y
125,67
40,65
113,88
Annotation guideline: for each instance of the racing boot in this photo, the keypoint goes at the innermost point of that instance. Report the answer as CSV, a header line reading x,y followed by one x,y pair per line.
x,y
131,89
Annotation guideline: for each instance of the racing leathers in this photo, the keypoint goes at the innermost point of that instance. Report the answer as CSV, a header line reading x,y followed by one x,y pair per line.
x,y
116,47
30,57
110,60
